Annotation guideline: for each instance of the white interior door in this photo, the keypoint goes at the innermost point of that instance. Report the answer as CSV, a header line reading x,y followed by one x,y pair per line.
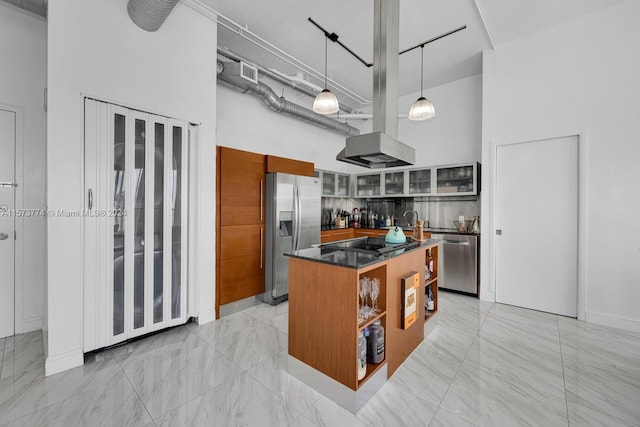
x,y
7,222
537,225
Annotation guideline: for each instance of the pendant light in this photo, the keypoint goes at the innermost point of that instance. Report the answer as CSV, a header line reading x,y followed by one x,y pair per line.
x,y
326,102
422,109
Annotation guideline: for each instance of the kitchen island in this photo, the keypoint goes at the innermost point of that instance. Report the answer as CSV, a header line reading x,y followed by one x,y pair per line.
x,y
323,313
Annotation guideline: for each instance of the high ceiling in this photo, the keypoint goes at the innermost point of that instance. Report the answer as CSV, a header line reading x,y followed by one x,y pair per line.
x,y
284,25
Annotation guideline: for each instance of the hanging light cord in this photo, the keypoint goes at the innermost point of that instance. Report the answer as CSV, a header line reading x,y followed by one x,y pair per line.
x,y
421,68
325,63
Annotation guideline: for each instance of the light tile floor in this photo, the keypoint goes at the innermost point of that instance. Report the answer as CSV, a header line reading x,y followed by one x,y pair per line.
x,y
482,364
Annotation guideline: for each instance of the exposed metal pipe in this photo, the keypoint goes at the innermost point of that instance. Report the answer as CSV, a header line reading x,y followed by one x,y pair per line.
x,y
229,78
150,14
230,54
39,7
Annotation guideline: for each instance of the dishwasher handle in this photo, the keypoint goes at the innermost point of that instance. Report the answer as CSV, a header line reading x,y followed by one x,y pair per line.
x,y
456,243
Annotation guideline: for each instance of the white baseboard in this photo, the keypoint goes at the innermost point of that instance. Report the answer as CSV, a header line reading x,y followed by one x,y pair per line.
x,y
31,324
64,361
613,321
206,317
487,296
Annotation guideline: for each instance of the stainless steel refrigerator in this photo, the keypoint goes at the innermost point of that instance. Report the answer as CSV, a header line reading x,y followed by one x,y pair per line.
x,y
292,223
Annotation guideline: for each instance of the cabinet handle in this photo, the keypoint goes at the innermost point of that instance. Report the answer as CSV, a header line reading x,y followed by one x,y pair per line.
x,y
261,199
261,247
90,199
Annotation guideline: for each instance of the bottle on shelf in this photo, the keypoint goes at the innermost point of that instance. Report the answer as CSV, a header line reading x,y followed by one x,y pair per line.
x,y
429,299
375,343
430,260
362,356
383,222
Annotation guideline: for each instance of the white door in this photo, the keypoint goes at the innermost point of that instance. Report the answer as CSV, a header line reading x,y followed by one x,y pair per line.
x,y
135,236
537,225
7,221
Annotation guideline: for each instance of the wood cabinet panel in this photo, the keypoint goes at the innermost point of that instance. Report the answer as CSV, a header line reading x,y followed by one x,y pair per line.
x,y
365,233
241,240
241,262
241,187
323,307
295,167
240,278
335,235
402,341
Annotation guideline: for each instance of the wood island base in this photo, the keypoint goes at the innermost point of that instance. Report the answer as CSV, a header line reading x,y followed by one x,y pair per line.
x,y
323,318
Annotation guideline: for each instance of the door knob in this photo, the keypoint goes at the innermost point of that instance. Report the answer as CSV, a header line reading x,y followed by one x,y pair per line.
x,y
4,236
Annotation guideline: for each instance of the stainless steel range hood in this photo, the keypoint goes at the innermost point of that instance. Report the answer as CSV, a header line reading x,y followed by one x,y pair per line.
x,y
380,148
376,150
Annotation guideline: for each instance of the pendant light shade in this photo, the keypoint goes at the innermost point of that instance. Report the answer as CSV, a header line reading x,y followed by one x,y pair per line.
x,y
422,109
326,102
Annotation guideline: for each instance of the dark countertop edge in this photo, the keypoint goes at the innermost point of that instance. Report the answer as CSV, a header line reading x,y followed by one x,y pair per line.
x,y
429,230
374,259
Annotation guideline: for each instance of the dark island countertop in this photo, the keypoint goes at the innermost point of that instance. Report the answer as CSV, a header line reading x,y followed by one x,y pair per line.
x,y
330,253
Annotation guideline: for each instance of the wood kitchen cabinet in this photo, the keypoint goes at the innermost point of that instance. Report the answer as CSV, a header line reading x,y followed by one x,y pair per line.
x,y
240,220
284,165
241,177
335,235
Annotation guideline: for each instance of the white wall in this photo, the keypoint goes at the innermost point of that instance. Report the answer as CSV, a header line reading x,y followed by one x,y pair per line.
x,y
95,49
579,77
454,135
245,123
23,43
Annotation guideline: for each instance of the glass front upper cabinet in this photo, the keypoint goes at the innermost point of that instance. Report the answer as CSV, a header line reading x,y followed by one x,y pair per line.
x,y
459,180
342,188
394,183
420,182
328,183
334,184
369,185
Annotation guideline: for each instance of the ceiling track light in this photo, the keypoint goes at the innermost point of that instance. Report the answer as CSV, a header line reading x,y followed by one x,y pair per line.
x,y
422,109
326,102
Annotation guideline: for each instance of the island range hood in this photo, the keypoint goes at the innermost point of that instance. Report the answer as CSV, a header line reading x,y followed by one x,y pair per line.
x,y
380,148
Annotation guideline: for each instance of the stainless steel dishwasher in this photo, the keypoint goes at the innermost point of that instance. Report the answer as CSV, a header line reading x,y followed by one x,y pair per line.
x,y
460,262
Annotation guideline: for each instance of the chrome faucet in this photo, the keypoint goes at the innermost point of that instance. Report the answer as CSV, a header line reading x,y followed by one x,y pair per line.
x,y
415,213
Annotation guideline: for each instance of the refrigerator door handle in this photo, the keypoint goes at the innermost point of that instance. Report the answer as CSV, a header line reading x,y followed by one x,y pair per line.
x,y
296,215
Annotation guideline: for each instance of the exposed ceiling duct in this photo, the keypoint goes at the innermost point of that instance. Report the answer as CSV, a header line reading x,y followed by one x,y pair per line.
x,y
380,148
150,14
244,78
278,77
39,7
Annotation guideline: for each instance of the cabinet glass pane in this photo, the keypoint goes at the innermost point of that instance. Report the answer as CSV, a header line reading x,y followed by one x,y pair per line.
x,y
368,185
328,184
158,220
118,226
420,181
343,185
393,183
176,233
455,180
138,255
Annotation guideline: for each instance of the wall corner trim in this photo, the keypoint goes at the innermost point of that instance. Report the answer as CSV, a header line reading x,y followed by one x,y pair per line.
x,y
206,317
62,362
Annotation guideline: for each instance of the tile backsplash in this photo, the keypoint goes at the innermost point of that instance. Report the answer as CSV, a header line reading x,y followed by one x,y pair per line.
x,y
439,211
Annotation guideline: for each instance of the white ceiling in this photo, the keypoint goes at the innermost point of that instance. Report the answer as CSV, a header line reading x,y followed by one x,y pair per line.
x,y
284,24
